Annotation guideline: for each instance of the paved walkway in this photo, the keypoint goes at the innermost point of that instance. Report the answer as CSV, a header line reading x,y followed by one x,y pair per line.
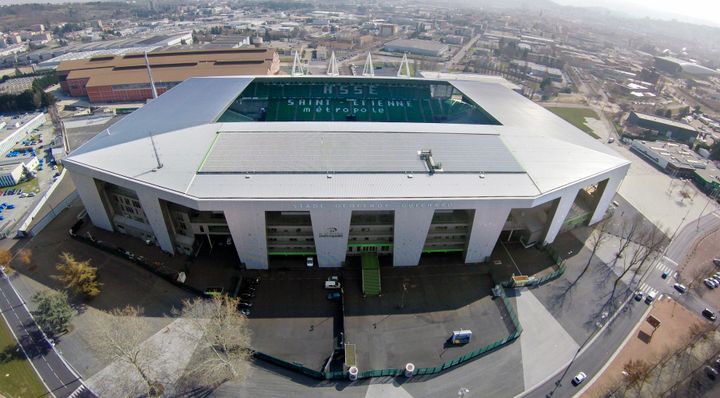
x,y
543,341
57,376
166,355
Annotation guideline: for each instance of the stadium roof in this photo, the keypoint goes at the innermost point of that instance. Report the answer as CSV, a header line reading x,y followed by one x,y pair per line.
x,y
521,151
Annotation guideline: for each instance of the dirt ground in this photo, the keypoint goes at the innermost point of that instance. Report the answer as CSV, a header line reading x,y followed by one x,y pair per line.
x,y
646,345
698,265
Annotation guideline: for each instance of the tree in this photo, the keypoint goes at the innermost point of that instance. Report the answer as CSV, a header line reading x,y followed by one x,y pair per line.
x,y
25,256
224,347
78,276
5,259
118,335
636,371
53,311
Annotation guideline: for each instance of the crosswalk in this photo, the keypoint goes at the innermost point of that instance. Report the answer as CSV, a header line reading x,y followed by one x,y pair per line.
x,y
664,268
647,289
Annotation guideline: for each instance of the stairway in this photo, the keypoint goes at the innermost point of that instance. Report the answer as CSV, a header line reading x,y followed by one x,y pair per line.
x,y
370,274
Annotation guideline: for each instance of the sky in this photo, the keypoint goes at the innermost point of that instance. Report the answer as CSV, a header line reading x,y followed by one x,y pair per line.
x,y
697,11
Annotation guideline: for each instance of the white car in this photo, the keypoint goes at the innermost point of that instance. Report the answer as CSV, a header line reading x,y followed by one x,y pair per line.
x,y
309,262
680,287
579,378
709,283
332,285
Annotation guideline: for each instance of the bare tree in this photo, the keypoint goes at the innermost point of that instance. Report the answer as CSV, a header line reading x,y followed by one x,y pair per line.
x,y
25,256
118,336
224,347
5,259
648,244
636,372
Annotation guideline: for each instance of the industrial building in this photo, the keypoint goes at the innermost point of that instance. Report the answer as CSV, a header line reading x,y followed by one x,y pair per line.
x,y
12,170
677,66
668,128
427,48
118,78
334,167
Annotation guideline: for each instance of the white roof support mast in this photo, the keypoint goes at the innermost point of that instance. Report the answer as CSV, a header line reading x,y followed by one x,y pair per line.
x,y
152,81
298,69
405,63
368,69
332,69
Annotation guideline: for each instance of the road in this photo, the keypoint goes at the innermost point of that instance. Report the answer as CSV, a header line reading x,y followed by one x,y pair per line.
x,y
57,376
595,355
461,53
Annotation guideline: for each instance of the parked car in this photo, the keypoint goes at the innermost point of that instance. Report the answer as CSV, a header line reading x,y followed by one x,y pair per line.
x,y
247,296
709,283
716,261
333,296
639,295
680,287
579,378
709,314
245,311
309,262
244,305
711,372
332,285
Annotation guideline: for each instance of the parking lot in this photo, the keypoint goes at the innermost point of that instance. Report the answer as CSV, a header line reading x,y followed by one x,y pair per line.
x,y
292,318
34,188
418,311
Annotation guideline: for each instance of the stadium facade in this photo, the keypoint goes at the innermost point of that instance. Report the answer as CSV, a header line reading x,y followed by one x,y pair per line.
x,y
338,166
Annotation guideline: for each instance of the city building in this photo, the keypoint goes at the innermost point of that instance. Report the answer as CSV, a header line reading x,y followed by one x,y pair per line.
x,y
17,128
671,157
667,127
338,166
125,77
426,48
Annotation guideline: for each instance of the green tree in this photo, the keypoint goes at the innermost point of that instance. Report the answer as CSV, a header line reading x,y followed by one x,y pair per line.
x,y
78,276
53,311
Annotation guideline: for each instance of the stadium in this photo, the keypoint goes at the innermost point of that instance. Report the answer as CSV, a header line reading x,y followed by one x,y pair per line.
x,y
334,167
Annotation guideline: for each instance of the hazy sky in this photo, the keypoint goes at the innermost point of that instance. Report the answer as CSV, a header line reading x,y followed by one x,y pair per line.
x,y
689,10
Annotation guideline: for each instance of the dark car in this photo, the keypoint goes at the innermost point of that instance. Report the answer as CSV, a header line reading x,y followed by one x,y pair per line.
x,y
664,275
709,314
243,304
333,296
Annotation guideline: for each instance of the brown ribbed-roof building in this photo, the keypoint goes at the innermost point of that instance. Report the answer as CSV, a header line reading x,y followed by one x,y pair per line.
x,y
125,77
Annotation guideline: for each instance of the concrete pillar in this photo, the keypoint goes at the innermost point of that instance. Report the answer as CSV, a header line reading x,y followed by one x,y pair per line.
x,y
156,217
330,231
91,198
411,229
486,228
609,188
247,227
559,215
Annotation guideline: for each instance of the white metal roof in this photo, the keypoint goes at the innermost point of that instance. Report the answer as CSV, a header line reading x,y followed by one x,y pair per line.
x,y
530,153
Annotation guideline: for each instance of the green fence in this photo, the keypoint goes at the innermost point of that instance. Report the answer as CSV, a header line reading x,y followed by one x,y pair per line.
x,y
394,372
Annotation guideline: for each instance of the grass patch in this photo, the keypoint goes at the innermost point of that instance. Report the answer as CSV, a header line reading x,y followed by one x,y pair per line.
x,y
27,186
17,377
576,117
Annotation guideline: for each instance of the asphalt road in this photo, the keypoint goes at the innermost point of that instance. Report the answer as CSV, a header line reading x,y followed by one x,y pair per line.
x,y
597,353
58,378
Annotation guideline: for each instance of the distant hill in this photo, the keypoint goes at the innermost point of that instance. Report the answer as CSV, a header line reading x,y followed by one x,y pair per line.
x,y
18,16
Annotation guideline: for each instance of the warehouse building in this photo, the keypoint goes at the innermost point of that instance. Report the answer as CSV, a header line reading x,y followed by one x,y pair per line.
x,y
668,128
12,170
427,48
121,78
677,66
336,167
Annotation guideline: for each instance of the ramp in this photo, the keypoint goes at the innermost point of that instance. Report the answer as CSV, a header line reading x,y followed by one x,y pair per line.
x,y
370,274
